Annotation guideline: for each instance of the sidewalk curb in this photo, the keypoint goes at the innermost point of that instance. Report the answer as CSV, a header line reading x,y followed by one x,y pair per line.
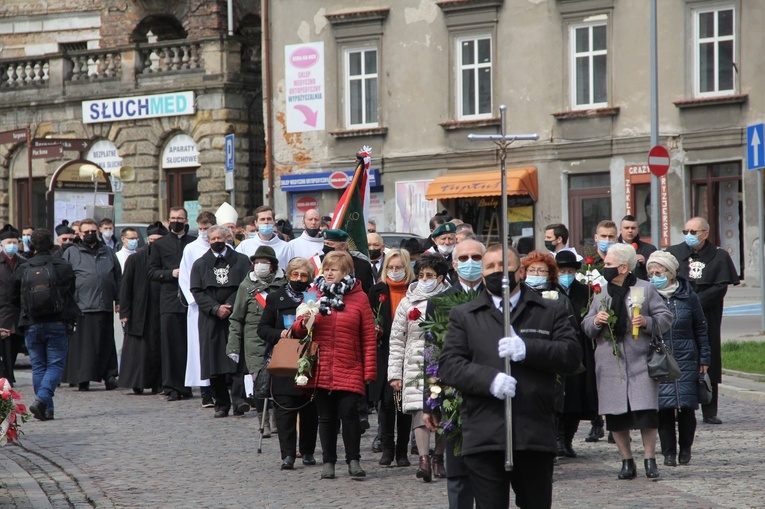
x,y
757,377
742,394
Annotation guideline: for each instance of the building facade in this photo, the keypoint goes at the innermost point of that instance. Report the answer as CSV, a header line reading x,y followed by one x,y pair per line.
x,y
412,78
148,87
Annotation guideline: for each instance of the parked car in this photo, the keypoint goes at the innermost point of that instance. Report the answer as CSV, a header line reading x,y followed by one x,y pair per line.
x,y
393,240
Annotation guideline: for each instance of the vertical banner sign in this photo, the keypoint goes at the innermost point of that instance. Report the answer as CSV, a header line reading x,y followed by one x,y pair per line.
x,y
304,82
229,175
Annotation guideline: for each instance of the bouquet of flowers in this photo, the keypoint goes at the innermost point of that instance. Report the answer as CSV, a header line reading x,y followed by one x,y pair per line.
x,y
590,275
307,359
12,413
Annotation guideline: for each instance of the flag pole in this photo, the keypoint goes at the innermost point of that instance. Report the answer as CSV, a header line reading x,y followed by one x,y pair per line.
x,y
503,140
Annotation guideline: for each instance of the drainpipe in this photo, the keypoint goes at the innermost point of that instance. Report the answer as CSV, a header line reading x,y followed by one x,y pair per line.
x,y
230,17
267,117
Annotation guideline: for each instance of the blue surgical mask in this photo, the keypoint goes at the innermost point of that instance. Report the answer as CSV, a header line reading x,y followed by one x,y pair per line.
x,y
660,282
604,245
265,229
692,240
412,263
132,244
25,240
11,249
469,270
536,281
565,280
252,235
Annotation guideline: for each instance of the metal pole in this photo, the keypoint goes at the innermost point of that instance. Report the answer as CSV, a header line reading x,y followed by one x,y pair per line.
x,y
30,180
654,125
761,214
502,141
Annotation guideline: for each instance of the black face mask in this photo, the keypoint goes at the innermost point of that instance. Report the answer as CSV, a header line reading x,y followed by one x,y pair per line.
x,y
375,254
609,273
177,226
549,245
300,286
327,249
494,282
312,232
239,237
218,247
90,238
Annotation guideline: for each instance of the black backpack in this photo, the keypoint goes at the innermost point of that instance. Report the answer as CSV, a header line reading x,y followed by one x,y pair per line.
x,y
40,295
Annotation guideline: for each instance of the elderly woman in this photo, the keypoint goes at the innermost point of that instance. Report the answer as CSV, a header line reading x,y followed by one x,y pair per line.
x,y
384,298
344,330
626,394
541,271
291,402
405,364
687,339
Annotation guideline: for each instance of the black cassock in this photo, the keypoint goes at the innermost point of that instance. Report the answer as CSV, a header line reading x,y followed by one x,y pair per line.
x,y
710,271
215,281
139,303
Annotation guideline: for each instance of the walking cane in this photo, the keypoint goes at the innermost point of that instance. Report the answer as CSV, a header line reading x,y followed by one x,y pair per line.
x,y
502,140
262,424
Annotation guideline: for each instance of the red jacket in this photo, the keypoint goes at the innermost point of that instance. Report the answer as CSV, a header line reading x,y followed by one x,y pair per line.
x,y
347,345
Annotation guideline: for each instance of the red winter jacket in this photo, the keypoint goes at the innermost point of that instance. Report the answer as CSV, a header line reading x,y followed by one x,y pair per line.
x,y
347,345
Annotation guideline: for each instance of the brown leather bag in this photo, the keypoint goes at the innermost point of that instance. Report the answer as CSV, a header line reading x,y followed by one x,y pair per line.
x,y
285,356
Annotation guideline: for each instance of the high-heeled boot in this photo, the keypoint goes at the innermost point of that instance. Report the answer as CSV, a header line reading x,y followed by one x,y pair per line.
x,y
651,470
437,461
629,470
424,471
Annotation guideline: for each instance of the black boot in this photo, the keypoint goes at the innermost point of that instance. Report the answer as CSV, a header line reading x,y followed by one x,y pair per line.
x,y
561,447
629,470
387,457
651,470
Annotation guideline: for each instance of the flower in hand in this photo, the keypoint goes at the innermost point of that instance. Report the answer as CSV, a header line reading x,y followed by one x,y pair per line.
x,y
415,314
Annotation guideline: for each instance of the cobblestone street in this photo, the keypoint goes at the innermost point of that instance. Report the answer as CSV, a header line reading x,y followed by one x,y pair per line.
x,y
111,449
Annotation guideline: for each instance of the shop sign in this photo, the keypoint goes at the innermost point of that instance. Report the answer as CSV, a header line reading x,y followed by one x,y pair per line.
x,y
133,108
296,183
304,83
306,203
105,155
180,152
636,174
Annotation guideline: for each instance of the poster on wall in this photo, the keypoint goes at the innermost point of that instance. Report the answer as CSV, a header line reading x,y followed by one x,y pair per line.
x,y
304,86
413,211
302,203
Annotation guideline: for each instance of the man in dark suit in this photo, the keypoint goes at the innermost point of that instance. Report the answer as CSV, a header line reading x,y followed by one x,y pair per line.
x,y
376,254
164,263
472,362
629,235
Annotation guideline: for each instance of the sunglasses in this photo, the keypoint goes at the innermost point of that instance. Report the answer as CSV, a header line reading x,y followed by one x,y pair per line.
x,y
475,258
692,232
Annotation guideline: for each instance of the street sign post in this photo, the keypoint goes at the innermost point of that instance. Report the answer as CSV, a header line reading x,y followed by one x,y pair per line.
x,y
658,160
15,136
755,147
77,144
230,164
47,152
755,160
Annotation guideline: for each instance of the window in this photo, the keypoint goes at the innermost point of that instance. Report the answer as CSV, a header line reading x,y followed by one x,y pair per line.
x,y
182,187
589,61
474,78
361,87
715,46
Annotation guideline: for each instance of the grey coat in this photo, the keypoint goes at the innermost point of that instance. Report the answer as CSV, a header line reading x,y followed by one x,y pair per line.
x,y
632,384
98,277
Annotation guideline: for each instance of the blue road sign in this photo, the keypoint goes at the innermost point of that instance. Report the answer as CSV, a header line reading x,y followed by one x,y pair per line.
x,y
755,147
230,153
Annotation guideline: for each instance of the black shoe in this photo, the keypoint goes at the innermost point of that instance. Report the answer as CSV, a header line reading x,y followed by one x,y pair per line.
x,y
309,460
173,396
38,410
377,444
629,470
403,461
712,420
208,402
386,459
669,460
651,470
569,450
137,390
49,416
364,425
684,457
243,408
111,383
288,463
596,433
83,386
560,447
221,413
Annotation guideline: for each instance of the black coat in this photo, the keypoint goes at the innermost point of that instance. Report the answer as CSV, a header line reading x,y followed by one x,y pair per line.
x,y
645,249
165,257
65,279
470,362
9,306
582,389
687,338
210,291
709,272
377,388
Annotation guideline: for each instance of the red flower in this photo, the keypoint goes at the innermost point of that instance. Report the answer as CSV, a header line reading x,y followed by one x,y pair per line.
x,y
383,298
21,408
596,288
589,260
415,314
635,246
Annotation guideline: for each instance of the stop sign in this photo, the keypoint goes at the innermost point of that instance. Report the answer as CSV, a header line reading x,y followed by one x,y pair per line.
x,y
658,160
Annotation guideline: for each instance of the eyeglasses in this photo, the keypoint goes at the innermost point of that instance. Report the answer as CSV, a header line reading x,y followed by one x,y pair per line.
x,y
396,268
537,272
475,258
655,273
297,276
692,232
85,232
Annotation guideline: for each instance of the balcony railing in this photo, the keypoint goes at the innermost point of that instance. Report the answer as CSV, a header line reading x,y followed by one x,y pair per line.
x,y
24,73
94,65
170,56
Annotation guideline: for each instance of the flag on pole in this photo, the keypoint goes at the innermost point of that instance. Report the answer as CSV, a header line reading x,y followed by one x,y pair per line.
x,y
353,207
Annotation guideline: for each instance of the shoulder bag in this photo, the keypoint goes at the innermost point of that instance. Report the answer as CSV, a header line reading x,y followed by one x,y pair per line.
x,y
286,353
705,389
662,366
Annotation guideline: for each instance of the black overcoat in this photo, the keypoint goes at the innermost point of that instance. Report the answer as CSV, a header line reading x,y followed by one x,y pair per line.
x,y
165,257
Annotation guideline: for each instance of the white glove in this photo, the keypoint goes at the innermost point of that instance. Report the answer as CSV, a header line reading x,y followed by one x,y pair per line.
x,y
513,347
503,386
234,357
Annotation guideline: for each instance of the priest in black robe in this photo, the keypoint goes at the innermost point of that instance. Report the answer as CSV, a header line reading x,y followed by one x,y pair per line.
x,y
709,269
215,279
139,312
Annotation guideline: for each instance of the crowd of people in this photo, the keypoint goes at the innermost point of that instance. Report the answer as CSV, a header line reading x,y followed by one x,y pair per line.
x,y
206,312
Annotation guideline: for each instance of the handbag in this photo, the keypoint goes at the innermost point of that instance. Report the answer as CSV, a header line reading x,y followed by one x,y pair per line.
x,y
286,353
705,389
662,366
262,385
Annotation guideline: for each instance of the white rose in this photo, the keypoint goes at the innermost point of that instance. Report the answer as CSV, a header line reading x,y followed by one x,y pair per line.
x,y
301,380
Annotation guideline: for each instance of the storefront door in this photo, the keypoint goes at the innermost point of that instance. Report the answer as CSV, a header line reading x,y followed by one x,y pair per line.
x,y
589,198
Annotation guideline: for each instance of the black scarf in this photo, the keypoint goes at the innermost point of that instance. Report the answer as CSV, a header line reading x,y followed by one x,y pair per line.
x,y
332,294
618,295
295,297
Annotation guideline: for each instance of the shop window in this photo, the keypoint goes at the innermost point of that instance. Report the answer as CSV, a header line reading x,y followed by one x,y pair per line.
x,y
589,199
474,86
39,216
589,65
714,43
361,87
